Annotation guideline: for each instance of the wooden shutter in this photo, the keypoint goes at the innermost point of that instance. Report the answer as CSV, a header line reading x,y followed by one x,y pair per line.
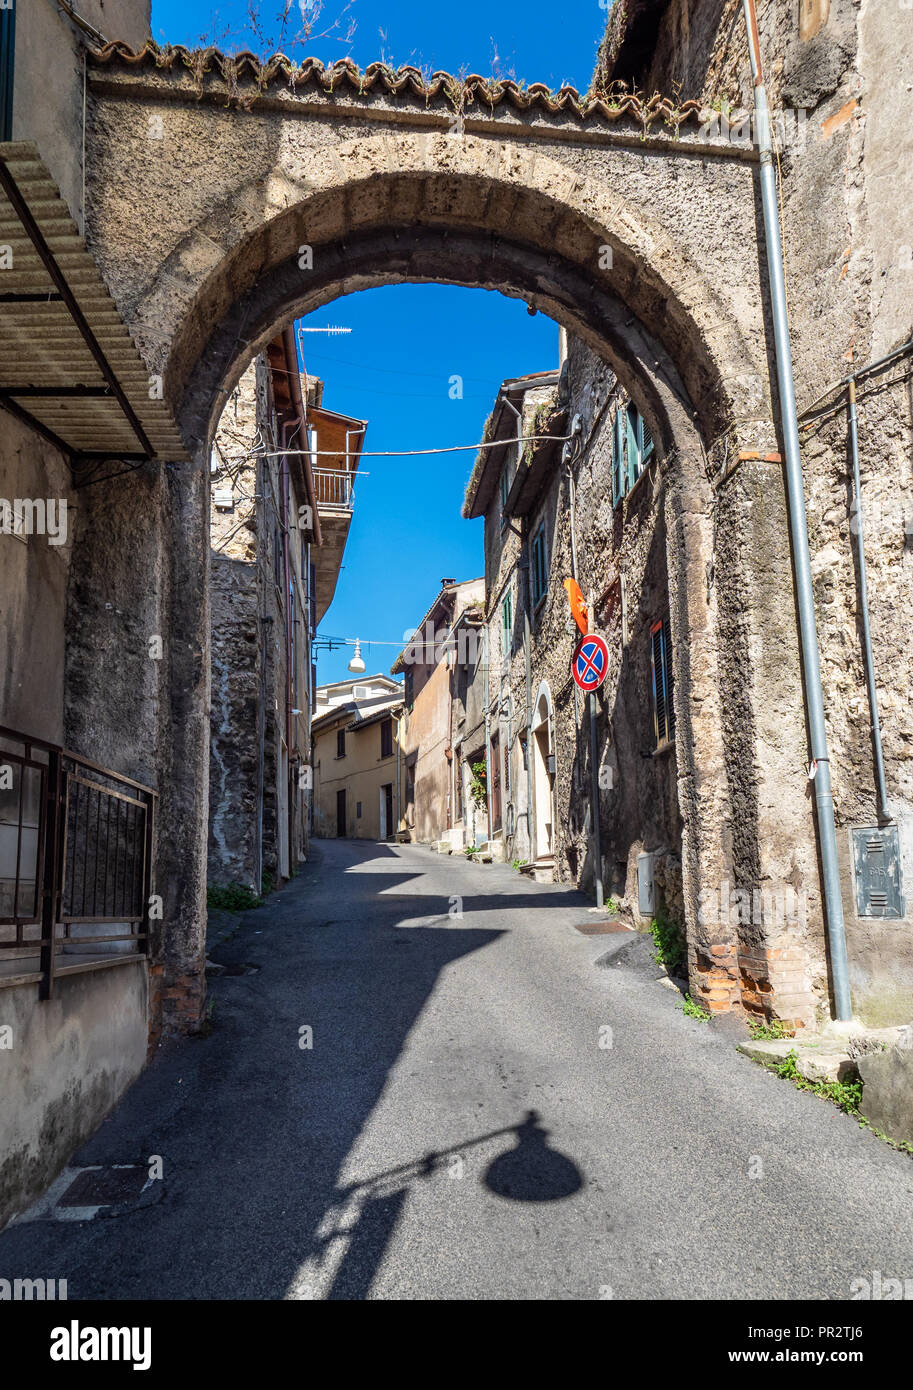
x,y
646,441
618,487
632,447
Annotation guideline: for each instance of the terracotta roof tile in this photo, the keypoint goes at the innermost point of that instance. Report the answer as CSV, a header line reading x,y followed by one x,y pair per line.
x,y
345,78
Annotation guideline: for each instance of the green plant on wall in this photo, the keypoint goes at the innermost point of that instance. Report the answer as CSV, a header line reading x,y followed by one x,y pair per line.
x,y
669,943
478,788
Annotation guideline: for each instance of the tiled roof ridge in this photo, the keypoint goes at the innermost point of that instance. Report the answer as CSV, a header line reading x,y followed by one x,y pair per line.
x,y
612,103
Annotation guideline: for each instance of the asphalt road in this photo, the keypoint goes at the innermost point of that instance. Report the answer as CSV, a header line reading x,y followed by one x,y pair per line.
x,y
397,1158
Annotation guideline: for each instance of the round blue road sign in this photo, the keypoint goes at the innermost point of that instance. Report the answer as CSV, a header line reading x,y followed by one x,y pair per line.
x,y
591,661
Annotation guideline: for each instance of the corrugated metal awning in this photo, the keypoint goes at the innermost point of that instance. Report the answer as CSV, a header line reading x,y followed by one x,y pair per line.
x,y
68,366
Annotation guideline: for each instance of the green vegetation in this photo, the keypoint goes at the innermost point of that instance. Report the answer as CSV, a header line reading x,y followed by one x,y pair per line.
x,y
694,1010
846,1095
470,850
518,864
669,942
478,787
232,897
267,884
612,905
774,1031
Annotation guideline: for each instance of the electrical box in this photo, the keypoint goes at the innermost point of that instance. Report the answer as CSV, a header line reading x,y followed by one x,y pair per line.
x,y
646,886
223,499
879,877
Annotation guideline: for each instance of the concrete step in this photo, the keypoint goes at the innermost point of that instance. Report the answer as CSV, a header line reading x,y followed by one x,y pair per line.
x,y
540,870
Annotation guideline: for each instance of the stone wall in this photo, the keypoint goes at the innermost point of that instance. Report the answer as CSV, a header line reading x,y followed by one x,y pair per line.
x,y
839,77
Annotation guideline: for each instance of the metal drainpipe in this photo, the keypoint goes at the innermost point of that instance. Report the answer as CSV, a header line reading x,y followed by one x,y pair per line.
x,y
881,795
811,661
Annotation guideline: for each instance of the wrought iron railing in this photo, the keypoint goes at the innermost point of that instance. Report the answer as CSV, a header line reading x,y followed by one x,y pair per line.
x,y
75,863
334,487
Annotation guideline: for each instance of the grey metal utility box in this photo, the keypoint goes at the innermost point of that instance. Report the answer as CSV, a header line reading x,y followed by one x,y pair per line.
x,y
878,873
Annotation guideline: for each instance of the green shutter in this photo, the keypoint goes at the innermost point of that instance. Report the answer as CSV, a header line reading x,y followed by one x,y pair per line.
x,y
646,440
632,447
617,460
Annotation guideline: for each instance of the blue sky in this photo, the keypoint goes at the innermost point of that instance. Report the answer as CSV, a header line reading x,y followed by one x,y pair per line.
x,y
408,341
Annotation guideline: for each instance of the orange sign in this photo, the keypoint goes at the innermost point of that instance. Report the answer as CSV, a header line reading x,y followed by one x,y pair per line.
x,y
578,604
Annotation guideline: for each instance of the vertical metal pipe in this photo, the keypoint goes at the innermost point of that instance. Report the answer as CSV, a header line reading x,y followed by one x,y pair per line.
x,y
881,795
811,662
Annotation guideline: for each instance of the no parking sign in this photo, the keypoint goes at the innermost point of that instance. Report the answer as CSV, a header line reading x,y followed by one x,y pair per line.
x,y
590,662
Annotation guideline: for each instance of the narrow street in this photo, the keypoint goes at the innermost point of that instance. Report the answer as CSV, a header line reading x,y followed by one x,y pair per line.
x,y
310,1173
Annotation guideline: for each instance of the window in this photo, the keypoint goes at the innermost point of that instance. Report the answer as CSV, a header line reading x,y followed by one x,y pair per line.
x,y
340,743
663,707
539,567
386,738
358,810
632,448
507,621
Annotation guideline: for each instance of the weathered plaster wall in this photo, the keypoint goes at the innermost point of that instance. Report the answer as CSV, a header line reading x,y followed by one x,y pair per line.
x,y
238,593
428,737
48,80
33,586
72,1058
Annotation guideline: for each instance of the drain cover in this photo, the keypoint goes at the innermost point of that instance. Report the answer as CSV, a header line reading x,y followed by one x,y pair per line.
x,y
602,928
102,1187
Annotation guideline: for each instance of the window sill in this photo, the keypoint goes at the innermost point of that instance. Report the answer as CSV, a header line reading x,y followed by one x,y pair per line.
x,y
661,749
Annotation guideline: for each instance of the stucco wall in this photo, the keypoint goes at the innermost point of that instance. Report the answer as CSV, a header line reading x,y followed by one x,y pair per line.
x,y
847,185
362,772
48,80
72,1057
33,586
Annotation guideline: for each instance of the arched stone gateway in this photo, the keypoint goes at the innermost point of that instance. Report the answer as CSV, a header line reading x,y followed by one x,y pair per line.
x,y
224,200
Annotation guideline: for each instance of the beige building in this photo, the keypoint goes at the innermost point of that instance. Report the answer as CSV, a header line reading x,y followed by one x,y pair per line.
x,y
357,759
427,663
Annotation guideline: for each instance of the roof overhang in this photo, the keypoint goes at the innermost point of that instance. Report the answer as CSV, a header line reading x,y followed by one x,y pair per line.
x,y
68,366
535,467
501,430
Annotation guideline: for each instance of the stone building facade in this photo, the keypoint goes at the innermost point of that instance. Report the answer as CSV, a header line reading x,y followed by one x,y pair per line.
x,y
839,76
393,178
262,529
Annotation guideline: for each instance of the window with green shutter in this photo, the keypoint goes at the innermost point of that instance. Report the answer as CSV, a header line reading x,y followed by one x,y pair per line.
x,y
663,705
539,566
632,447
618,488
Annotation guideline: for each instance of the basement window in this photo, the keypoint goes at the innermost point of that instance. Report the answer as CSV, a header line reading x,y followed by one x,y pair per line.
x,y
663,705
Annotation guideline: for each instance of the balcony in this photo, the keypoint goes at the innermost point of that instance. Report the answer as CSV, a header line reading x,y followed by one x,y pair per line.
x,y
335,488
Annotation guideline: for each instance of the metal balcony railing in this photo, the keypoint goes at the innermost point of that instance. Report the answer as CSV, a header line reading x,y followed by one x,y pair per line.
x,y
75,863
334,487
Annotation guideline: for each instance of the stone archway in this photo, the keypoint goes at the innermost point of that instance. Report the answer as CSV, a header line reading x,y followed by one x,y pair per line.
x,y
234,221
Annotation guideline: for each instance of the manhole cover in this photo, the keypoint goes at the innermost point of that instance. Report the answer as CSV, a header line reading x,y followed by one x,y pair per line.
x,y
602,928
98,1187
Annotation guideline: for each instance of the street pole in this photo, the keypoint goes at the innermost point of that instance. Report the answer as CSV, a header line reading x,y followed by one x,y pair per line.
x,y
594,769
